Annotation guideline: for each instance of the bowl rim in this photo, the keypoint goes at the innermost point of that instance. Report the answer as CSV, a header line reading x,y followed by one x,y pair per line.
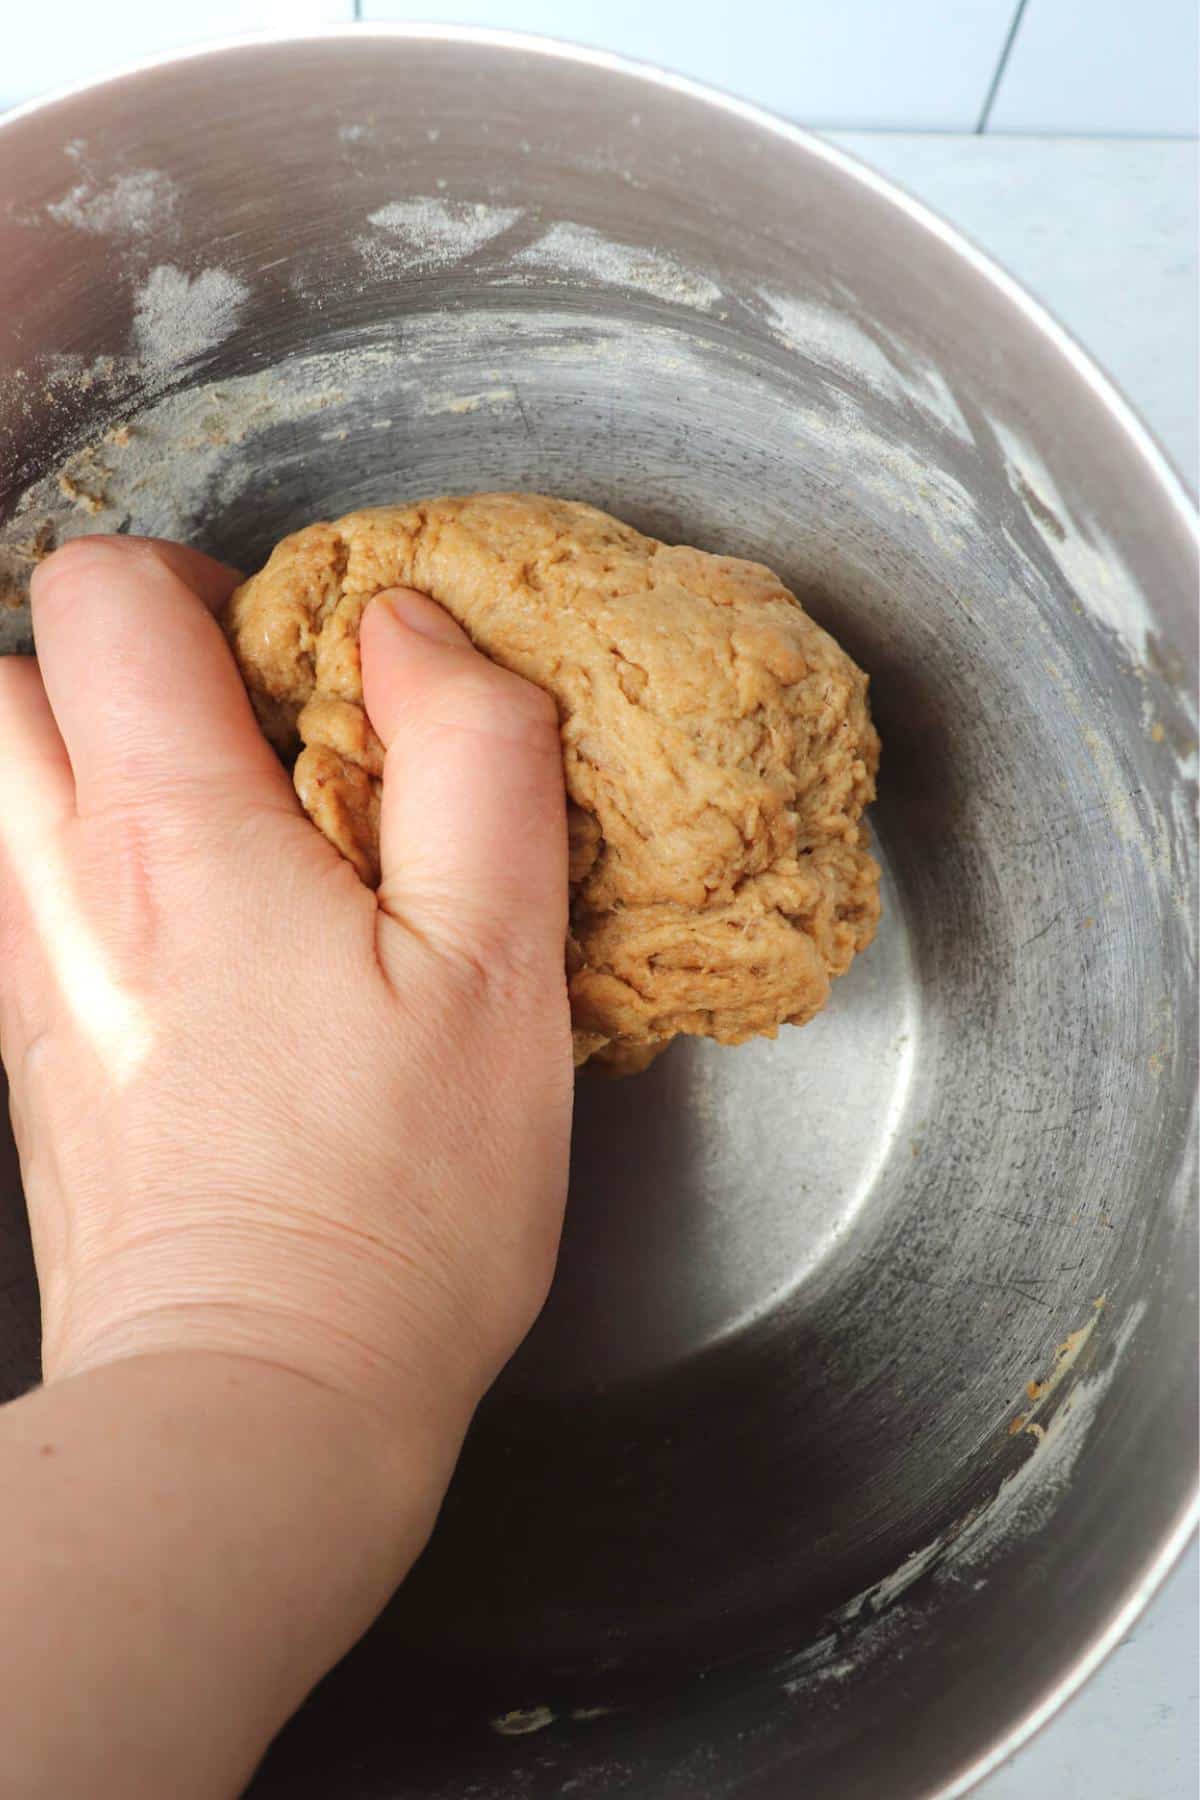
x,y
1140,438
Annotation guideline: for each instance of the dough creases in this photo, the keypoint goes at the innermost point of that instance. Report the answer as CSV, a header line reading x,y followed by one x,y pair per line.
x,y
717,746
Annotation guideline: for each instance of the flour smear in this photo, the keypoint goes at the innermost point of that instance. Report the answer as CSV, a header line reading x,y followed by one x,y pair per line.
x,y
131,205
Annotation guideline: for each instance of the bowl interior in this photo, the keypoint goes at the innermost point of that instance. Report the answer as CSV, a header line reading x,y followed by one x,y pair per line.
x,y
770,1458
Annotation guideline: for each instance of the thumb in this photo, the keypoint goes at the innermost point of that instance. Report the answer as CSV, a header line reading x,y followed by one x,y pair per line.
x,y
473,841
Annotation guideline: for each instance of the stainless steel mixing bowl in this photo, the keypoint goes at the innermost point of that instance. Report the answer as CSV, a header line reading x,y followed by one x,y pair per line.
x,y
749,1514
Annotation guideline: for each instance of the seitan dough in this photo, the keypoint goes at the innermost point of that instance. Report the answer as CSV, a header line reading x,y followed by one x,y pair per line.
x,y
717,746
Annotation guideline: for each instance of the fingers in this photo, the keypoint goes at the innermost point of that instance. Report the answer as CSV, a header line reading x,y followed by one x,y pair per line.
x,y
37,797
37,794
210,580
473,831
36,789
140,679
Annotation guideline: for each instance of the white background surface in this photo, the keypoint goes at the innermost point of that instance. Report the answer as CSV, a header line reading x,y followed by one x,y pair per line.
x,y
1103,231
1102,65
887,63
1090,66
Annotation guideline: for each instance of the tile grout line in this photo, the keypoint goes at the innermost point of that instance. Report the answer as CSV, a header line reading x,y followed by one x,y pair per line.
x,y
1002,64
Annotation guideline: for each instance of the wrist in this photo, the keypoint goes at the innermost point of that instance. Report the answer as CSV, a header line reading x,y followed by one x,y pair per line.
x,y
381,1472
385,1469
325,1314
236,1526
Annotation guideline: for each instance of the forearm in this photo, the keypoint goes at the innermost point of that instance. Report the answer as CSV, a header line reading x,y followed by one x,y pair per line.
x,y
177,1567
191,1538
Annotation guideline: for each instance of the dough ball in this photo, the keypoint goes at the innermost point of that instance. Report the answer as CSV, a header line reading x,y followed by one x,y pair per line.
x,y
717,747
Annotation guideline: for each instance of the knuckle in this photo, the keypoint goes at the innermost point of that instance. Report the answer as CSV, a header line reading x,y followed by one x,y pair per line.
x,y
477,972
499,967
500,706
79,557
100,556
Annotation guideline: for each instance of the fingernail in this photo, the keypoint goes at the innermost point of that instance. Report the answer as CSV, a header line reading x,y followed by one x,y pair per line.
x,y
421,614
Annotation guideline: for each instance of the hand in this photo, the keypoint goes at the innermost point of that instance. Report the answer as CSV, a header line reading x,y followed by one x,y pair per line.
x,y
295,1158
261,1110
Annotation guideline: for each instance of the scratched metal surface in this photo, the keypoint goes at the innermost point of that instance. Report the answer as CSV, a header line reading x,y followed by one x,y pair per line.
x,y
750,1489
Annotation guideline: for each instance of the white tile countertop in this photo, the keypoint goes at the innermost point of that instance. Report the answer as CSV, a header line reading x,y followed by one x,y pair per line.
x,y
1103,231
1016,65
